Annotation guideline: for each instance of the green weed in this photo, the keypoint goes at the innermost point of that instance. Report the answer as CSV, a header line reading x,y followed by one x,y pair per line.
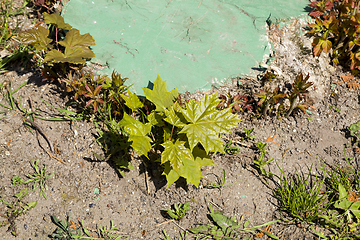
x,y
179,210
181,237
229,149
64,231
111,233
261,162
354,130
38,179
220,183
7,10
223,227
15,210
301,196
248,134
343,218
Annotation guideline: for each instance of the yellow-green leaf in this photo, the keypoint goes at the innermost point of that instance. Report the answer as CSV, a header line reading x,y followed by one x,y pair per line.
x,y
138,131
170,174
132,101
191,171
173,118
74,39
175,153
160,96
73,55
206,123
37,37
156,118
56,20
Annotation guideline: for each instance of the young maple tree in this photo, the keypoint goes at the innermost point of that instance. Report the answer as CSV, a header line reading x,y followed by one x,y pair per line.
x,y
184,135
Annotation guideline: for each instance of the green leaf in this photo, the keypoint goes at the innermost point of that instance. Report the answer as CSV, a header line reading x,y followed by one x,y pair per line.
x,y
223,222
202,158
206,123
170,174
21,194
132,101
200,229
73,55
37,37
173,118
175,153
56,20
191,171
355,129
190,168
156,118
342,192
31,204
138,131
74,39
162,98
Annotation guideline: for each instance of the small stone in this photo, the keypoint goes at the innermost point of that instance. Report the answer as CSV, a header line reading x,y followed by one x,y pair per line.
x,y
7,153
26,226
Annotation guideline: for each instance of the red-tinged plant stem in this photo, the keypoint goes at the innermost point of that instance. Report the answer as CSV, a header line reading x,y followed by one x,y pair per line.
x,y
292,104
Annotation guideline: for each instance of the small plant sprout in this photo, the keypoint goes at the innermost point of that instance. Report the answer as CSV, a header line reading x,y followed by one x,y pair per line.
x,y
220,183
179,210
248,135
298,94
111,233
261,163
182,236
15,209
261,146
64,231
268,99
16,180
354,130
39,178
223,227
229,149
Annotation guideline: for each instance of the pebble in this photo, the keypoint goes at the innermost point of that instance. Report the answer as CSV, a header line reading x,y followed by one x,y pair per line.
x,y
26,226
7,153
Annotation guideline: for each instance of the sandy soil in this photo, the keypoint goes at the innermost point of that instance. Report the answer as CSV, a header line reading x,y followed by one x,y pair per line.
x,y
94,192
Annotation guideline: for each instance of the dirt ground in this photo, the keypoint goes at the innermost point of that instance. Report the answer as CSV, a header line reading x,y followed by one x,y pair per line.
x,y
94,192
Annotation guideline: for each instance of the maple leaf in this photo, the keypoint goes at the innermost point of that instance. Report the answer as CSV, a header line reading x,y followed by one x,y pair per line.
x,y
156,118
160,96
175,153
74,39
138,131
73,55
132,101
173,118
37,37
190,169
206,123
56,20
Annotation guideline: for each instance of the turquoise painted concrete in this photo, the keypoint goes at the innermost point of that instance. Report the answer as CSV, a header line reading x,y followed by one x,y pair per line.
x,y
191,44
